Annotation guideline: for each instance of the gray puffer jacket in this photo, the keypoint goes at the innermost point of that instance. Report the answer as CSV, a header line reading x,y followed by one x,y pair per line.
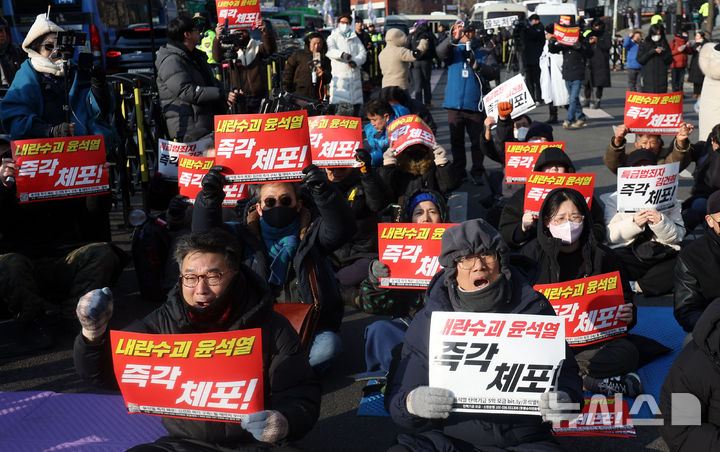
x,y
189,93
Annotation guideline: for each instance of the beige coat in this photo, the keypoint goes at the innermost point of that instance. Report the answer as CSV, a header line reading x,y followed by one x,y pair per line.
x,y
395,60
710,96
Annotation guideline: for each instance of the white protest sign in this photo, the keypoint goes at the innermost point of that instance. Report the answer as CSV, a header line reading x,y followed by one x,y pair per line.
x,y
647,187
498,22
512,90
171,150
495,363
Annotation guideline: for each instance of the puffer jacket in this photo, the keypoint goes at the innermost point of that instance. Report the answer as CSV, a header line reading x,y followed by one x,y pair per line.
x,y
378,141
696,371
680,57
465,93
190,95
653,73
289,383
574,58
346,85
622,230
709,62
395,60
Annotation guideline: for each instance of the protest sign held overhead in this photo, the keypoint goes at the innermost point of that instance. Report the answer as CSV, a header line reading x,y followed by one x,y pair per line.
x,y
411,252
334,140
512,90
55,168
590,307
520,158
208,376
408,130
239,13
495,363
273,147
191,171
540,184
565,20
170,151
647,187
566,36
653,113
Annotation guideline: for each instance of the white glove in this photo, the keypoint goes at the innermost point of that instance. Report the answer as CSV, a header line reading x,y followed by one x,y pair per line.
x,y
556,406
389,157
430,403
268,426
94,310
440,155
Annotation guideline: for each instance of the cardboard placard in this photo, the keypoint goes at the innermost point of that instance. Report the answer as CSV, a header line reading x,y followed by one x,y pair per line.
x,y
647,187
540,184
653,113
408,130
600,416
171,150
566,36
191,170
334,140
520,158
239,13
512,90
499,22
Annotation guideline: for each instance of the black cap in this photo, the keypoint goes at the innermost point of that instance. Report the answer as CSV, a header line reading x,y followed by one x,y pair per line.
x,y
641,155
713,203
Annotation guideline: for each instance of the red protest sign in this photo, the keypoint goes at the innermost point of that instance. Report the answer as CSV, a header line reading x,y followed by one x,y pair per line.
x,y
239,13
411,252
520,158
208,376
54,168
190,173
565,20
408,130
272,147
590,306
600,417
540,184
653,113
334,140
566,35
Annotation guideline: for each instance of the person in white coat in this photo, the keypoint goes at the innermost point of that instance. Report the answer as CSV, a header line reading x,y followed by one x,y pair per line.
x,y
647,242
552,86
347,54
710,95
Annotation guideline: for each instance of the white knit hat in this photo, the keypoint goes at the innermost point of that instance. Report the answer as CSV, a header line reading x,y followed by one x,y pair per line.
x,y
42,26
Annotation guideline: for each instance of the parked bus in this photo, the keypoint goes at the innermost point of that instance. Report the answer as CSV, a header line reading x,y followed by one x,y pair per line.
x,y
448,20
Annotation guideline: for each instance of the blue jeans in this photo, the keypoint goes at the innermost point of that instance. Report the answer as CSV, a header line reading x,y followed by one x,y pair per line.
x,y
326,346
575,110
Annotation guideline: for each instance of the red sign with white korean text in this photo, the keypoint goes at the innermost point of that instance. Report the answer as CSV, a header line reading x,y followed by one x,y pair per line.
x,y
601,416
334,140
653,113
208,376
53,168
239,13
408,130
520,158
565,20
272,147
540,184
590,307
190,173
566,36
170,151
411,252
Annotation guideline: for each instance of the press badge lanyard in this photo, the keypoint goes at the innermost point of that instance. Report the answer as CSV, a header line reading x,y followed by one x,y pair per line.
x,y
465,72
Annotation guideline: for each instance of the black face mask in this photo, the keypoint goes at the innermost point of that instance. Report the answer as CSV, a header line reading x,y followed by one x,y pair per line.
x,y
244,42
280,216
488,299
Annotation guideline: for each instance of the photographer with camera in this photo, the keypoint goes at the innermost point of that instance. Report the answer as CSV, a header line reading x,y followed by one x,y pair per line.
x,y
190,95
308,71
246,59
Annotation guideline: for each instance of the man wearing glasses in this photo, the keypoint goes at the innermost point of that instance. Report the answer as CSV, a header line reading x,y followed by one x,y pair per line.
x,y
215,293
477,277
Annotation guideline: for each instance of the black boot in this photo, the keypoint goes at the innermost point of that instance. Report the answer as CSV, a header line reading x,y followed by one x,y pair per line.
x,y
553,119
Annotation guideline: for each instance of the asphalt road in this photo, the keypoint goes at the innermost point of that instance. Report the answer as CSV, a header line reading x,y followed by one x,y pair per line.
x,y
339,428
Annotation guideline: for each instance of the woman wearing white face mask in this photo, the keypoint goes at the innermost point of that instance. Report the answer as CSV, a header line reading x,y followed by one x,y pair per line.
x,y
566,250
347,54
655,56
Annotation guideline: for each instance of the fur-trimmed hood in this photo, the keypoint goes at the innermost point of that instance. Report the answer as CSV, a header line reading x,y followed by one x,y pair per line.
x,y
710,62
40,27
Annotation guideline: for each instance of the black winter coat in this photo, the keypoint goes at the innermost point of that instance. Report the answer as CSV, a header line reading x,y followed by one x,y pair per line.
x,y
423,32
707,176
289,382
574,58
500,431
696,278
695,74
297,75
404,178
696,371
533,43
598,67
655,65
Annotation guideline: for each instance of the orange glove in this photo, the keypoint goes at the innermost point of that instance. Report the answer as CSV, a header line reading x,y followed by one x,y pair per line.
x,y
504,109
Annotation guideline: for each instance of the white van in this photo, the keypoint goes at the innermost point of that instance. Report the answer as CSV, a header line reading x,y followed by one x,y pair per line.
x,y
550,12
498,10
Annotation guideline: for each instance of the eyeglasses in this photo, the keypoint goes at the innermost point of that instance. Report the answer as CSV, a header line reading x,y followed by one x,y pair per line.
x,y
191,280
469,262
285,201
575,218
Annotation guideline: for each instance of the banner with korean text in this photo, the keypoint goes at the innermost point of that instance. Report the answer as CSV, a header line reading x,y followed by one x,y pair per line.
x,y
499,22
411,252
520,158
590,307
647,187
408,130
601,416
54,168
334,140
512,90
171,150
566,36
190,173
495,363
540,184
272,147
653,113
239,13
208,376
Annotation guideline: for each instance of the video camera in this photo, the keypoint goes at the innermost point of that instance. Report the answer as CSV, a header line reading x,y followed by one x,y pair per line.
x,y
67,41
229,42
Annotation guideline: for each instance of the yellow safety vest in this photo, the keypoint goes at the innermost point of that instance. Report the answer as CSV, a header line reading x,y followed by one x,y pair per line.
x,y
206,45
703,11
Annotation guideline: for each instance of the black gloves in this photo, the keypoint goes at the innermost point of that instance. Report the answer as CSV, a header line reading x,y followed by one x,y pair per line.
x,y
212,183
361,155
577,45
346,57
60,130
315,179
